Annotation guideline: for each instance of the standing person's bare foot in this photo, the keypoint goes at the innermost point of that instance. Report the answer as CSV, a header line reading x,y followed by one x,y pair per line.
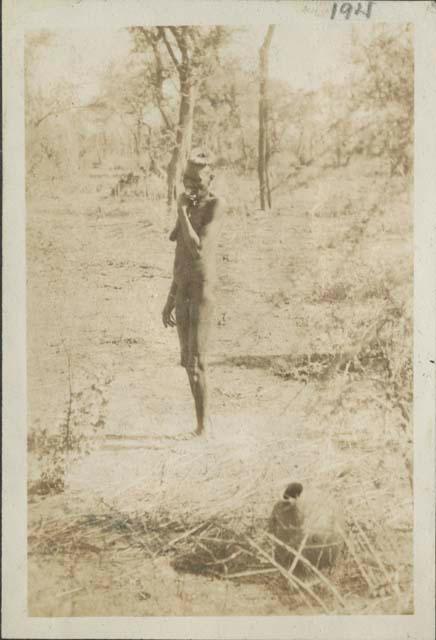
x,y
206,431
200,430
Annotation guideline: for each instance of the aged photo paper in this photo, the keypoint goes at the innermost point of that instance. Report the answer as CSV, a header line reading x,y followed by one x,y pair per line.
x,y
219,319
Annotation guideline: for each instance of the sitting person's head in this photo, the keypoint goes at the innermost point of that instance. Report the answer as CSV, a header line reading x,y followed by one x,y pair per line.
x,y
293,491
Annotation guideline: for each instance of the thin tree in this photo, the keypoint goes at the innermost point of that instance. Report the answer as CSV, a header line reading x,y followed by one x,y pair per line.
x,y
185,64
190,54
264,145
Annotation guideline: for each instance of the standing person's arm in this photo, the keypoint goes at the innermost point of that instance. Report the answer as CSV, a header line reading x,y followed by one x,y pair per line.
x,y
168,318
190,236
200,242
208,233
175,231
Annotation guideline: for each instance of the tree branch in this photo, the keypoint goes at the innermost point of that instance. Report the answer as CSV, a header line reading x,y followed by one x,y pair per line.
x,y
162,32
153,41
268,37
181,43
57,112
36,123
168,123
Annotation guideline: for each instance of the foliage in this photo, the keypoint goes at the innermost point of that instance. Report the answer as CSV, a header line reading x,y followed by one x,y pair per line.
x,y
135,118
72,439
383,86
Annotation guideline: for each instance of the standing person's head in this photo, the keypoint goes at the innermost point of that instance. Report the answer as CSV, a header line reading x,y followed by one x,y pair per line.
x,y
198,175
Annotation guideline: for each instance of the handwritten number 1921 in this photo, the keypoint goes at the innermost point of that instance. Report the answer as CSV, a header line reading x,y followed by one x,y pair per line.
x,y
346,9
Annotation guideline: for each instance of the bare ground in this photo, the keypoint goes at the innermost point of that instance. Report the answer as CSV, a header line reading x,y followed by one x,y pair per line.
x,y
297,286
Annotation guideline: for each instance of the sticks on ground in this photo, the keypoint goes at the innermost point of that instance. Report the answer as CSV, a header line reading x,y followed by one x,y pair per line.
x,y
293,581
299,557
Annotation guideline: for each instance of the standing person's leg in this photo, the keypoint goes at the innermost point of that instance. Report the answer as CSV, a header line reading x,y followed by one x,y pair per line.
x,y
183,323
201,317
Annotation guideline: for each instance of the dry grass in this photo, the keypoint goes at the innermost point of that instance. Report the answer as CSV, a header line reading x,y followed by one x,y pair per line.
x,y
204,523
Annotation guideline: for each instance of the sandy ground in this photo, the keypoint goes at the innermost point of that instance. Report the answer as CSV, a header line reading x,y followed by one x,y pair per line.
x,y
98,273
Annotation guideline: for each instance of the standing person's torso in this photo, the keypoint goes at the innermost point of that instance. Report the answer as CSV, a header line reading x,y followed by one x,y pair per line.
x,y
203,266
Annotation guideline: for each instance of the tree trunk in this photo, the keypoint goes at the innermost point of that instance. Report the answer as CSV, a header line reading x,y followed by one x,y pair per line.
x,y
262,163
183,138
237,119
267,156
245,158
261,149
137,141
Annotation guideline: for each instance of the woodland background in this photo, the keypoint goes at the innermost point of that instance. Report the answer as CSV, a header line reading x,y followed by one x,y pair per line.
x,y
182,87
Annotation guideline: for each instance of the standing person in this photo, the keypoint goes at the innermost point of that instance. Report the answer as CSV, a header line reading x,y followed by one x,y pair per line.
x,y
199,217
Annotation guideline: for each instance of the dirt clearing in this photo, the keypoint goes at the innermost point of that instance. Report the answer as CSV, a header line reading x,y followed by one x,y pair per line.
x,y
302,382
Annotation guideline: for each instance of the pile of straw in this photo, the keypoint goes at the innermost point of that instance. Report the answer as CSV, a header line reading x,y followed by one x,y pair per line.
x,y
208,513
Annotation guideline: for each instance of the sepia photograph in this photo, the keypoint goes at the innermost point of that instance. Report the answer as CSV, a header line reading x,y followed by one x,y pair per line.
x,y
219,268
219,316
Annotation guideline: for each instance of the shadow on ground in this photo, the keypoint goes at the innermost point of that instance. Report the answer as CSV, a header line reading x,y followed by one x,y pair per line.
x,y
313,366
